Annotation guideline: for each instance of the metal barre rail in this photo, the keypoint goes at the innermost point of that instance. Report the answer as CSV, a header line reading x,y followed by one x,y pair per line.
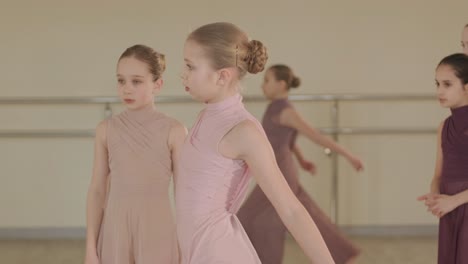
x,y
44,133
334,131
185,99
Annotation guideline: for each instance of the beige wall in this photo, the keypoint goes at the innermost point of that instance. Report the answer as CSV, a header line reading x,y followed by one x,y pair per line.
x,y
52,48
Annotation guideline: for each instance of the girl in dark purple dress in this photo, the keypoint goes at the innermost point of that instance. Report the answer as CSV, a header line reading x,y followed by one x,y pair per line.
x,y
448,196
282,123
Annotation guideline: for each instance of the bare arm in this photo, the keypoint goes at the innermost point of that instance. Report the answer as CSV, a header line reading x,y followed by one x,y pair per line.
x,y
237,144
442,204
97,190
291,118
439,158
461,198
298,153
435,183
176,140
305,164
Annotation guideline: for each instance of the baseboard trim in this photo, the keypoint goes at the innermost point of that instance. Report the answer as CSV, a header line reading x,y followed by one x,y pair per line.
x,y
80,232
392,231
43,233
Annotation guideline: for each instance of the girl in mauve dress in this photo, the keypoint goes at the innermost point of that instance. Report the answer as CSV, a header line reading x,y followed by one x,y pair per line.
x,y
282,124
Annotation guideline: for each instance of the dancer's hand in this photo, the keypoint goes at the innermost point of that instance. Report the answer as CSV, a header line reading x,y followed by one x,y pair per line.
x,y
356,163
442,204
308,166
439,204
92,259
426,197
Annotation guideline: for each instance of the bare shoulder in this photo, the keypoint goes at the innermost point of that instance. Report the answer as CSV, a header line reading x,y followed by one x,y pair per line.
x,y
439,130
101,130
177,132
289,112
441,125
289,116
246,130
243,140
176,126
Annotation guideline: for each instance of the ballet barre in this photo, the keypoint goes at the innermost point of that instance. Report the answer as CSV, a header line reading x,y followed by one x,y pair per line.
x,y
58,133
334,130
186,99
46,133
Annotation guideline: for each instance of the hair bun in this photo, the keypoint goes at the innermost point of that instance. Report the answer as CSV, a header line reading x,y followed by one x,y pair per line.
x,y
257,56
295,82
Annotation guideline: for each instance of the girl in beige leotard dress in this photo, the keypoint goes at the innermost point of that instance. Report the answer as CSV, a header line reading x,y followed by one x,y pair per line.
x,y
129,218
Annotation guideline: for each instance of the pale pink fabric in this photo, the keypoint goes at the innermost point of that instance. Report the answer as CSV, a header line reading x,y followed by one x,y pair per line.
x,y
138,227
210,189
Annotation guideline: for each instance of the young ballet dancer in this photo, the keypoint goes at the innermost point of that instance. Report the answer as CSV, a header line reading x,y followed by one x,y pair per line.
x,y
448,196
129,218
282,124
224,147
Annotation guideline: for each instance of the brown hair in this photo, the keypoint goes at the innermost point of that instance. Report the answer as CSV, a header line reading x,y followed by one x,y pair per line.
x,y
284,73
156,61
226,45
459,63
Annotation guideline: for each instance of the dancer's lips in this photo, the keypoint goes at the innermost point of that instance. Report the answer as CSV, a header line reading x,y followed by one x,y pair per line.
x,y
129,101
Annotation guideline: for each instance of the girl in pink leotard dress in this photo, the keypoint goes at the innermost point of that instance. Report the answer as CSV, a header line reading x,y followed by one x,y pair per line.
x,y
224,147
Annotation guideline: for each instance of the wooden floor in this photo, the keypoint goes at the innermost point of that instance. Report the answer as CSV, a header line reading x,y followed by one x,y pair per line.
x,y
381,251
375,251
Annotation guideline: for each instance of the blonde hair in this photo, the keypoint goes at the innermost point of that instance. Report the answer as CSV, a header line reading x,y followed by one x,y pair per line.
x,y
156,61
226,46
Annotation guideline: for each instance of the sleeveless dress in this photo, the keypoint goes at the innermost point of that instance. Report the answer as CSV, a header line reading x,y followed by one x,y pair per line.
x,y
210,189
258,216
453,227
138,226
